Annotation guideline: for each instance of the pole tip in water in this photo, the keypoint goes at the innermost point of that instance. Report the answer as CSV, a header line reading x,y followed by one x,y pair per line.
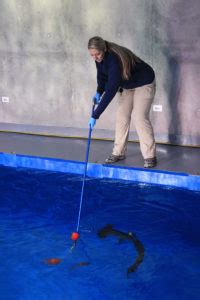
x,y
74,236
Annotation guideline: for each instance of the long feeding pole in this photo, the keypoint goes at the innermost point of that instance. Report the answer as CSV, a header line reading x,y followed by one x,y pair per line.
x,y
84,177
75,235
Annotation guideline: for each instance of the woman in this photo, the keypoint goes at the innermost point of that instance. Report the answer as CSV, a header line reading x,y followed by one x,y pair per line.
x,y
119,70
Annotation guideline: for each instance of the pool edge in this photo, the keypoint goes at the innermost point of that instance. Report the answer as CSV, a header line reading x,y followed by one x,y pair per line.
x,y
166,178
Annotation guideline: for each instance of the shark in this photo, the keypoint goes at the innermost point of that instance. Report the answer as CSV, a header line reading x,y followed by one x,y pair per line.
x,y
108,230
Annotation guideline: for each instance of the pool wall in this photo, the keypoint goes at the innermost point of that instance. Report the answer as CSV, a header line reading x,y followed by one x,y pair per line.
x,y
181,180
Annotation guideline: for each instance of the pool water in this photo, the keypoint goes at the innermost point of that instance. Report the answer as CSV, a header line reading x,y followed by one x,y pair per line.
x,y
39,211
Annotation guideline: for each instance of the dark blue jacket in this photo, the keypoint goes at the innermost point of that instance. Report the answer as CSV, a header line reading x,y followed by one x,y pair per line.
x,y
109,79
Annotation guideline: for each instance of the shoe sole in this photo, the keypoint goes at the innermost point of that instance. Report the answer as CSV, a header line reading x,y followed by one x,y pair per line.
x,y
114,161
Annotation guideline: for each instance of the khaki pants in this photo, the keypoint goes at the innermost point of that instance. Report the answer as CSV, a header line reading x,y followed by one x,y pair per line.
x,y
139,102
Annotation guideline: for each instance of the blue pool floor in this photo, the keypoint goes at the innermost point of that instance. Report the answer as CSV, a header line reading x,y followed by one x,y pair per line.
x,y
178,159
39,212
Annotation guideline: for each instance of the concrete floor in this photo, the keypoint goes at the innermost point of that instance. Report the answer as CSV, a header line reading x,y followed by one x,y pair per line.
x,y
170,158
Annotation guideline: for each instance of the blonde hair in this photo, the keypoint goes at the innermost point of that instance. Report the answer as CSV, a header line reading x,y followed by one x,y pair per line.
x,y
127,58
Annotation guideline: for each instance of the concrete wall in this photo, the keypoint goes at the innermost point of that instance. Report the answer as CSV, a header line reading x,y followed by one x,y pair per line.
x,y
49,77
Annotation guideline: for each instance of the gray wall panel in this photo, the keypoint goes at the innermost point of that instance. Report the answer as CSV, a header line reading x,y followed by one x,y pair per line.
x,y
49,77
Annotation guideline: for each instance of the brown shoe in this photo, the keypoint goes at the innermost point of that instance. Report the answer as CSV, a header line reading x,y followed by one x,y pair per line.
x,y
114,158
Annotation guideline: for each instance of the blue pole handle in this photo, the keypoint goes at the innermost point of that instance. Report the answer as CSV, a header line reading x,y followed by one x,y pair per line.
x,y
85,172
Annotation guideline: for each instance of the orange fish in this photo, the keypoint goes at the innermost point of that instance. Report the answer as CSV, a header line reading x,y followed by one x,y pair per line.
x,y
52,261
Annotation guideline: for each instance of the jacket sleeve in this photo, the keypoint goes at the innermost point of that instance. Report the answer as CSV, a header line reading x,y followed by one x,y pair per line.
x,y
111,86
101,80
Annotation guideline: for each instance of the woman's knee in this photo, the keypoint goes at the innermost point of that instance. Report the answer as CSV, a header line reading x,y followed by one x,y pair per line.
x,y
142,123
